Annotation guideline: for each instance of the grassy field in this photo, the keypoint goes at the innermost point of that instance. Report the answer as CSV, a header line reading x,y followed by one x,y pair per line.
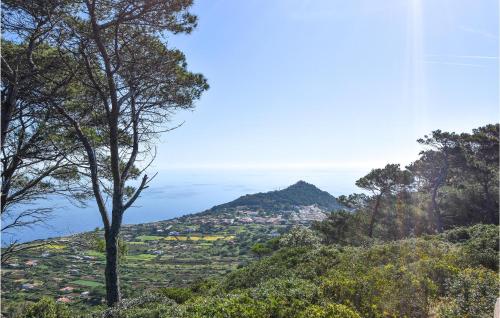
x,y
199,238
87,283
140,257
149,237
94,253
182,238
53,247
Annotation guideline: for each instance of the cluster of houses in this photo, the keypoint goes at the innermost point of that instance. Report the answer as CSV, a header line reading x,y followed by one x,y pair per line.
x,y
242,215
19,272
70,296
245,216
26,265
176,227
235,216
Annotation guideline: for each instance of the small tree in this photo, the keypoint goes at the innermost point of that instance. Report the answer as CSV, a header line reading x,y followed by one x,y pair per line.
x,y
480,151
261,249
46,308
433,168
381,183
299,236
337,227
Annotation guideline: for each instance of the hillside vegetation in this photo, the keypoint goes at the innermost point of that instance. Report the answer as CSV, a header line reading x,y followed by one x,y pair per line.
x,y
171,253
299,194
448,275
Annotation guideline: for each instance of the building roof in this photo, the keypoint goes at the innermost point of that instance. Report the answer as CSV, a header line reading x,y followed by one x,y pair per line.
x,y
63,300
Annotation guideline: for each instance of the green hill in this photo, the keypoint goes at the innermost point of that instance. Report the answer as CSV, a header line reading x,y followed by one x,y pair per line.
x,y
298,194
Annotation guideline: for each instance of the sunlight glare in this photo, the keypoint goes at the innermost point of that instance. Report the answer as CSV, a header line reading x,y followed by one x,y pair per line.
x,y
415,77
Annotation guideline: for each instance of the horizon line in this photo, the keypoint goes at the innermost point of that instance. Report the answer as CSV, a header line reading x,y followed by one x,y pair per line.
x,y
280,166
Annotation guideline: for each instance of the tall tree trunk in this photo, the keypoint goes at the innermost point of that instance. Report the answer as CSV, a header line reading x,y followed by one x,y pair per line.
x,y
8,104
374,215
491,205
441,178
113,294
436,213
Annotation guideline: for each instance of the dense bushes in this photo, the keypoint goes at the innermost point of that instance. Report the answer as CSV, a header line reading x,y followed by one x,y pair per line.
x,y
480,244
329,311
179,295
443,276
147,306
301,262
407,278
46,308
470,294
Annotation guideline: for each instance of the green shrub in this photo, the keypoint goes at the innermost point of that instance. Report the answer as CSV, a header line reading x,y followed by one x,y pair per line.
x,y
329,311
285,297
46,308
482,247
229,306
180,295
472,294
384,291
302,262
146,306
299,236
260,249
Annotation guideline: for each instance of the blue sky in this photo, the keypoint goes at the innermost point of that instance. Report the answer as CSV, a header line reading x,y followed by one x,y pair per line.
x,y
304,84
316,90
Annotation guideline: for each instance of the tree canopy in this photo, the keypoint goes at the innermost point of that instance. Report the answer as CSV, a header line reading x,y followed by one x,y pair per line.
x,y
120,85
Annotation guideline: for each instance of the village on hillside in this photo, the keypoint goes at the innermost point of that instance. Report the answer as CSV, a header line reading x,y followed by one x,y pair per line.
x,y
160,254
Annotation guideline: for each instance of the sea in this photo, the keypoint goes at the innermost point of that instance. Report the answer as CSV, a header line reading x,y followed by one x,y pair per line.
x,y
173,193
